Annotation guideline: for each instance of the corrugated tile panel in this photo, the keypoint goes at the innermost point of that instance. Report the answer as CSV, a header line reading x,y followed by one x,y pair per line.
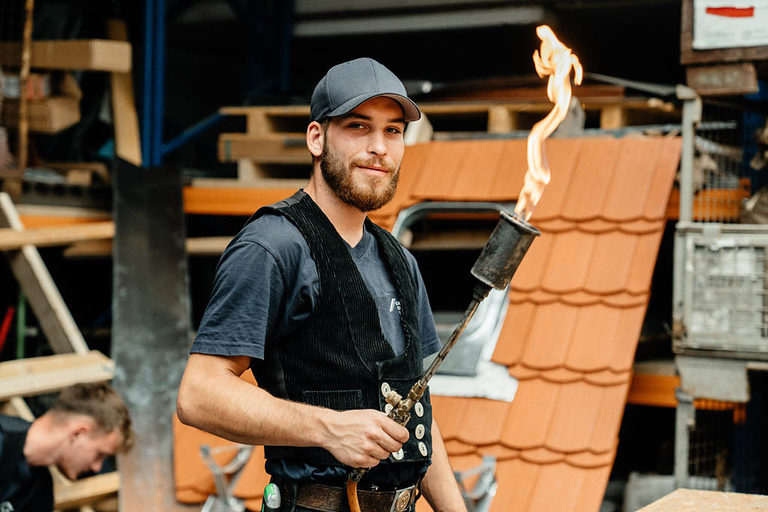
x,y
577,305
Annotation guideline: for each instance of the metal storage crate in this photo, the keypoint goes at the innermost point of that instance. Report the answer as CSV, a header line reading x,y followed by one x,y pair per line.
x,y
720,296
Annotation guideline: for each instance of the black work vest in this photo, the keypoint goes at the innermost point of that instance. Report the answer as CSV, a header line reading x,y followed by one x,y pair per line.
x,y
339,358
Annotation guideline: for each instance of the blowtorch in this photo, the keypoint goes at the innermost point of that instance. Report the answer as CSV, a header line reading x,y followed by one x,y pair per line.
x,y
494,268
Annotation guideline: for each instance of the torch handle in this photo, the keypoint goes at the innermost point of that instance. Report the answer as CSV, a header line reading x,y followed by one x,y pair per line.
x,y
480,292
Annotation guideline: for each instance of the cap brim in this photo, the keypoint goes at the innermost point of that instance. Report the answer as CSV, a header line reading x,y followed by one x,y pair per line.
x,y
410,111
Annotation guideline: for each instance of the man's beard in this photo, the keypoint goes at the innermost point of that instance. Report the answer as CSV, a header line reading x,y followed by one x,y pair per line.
x,y
370,195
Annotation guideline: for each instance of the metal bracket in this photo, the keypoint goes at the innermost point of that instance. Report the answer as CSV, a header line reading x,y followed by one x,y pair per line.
x,y
478,499
225,477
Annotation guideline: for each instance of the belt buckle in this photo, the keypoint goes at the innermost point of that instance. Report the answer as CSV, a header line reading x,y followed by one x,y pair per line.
x,y
402,499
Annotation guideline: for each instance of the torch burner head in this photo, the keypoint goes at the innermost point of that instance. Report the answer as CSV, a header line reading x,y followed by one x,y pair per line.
x,y
504,251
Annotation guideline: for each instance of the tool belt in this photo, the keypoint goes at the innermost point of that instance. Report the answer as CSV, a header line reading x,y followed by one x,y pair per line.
x,y
325,498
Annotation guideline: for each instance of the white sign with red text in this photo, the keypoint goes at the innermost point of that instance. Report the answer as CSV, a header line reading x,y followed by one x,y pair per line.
x,y
729,23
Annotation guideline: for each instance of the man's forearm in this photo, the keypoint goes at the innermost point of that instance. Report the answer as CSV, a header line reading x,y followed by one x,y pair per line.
x,y
222,403
439,485
212,397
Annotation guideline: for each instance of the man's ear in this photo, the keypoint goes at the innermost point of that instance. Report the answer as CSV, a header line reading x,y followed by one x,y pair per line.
x,y
79,426
315,138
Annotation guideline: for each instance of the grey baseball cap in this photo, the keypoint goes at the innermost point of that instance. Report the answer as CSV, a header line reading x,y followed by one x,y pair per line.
x,y
349,84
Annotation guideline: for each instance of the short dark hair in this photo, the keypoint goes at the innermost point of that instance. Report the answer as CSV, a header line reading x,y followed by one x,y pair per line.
x,y
99,401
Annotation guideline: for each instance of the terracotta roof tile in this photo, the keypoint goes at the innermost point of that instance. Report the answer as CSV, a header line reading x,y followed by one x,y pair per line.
x,y
542,455
644,262
476,176
530,273
550,335
448,412
563,157
508,179
592,351
500,452
608,421
573,421
613,257
590,460
514,332
483,421
607,378
455,447
530,414
662,184
564,487
632,176
575,247
591,180
516,481
440,172
561,375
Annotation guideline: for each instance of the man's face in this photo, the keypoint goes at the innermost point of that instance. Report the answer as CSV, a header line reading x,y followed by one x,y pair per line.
x,y
86,450
362,152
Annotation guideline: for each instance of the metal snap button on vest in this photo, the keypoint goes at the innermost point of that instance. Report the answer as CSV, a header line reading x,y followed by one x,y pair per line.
x,y
385,389
388,408
423,448
398,455
419,409
420,431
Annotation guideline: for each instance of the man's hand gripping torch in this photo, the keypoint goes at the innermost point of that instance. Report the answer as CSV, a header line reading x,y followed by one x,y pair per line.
x,y
494,268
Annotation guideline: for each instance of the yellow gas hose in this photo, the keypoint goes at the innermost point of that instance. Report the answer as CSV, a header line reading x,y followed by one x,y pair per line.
x,y
354,506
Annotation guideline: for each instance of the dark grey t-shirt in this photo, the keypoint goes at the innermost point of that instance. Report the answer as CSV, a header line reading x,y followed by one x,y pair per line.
x,y
267,284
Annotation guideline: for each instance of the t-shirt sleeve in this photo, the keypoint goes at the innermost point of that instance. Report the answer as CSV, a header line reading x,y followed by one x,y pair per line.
x,y
243,309
430,342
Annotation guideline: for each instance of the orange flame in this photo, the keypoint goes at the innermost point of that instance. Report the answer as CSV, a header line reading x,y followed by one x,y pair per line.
x,y
555,61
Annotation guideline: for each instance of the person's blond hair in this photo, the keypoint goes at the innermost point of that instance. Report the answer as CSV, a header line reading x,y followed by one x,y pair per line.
x,y
100,402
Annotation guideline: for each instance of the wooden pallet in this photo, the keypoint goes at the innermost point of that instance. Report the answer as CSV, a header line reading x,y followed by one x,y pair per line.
x,y
274,144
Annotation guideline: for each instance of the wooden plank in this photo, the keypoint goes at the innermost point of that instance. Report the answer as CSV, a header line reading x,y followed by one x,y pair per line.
x,y
469,107
81,54
16,406
85,491
125,118
34,365
261,149
231,199
501,120
723,79
612,117
690,56
689,500
36,282
48,381
11,239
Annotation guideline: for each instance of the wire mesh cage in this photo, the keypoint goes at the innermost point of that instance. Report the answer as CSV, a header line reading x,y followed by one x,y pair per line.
x,y
724,300
720,177
710,452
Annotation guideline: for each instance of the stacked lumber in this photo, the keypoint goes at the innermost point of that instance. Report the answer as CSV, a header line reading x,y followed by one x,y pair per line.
x,y
273,144
73,362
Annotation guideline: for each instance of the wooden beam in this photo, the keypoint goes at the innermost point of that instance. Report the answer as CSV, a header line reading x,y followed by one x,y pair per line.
x,y
16,406
125,118
47,381
84,54
11,239
723,79
85,491
27,266
263,149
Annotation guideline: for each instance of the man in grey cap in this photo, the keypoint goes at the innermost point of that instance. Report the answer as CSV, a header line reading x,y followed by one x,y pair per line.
x,y
331,314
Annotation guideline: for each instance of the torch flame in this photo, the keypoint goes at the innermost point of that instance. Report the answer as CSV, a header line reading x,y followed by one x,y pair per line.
x,y
555,61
